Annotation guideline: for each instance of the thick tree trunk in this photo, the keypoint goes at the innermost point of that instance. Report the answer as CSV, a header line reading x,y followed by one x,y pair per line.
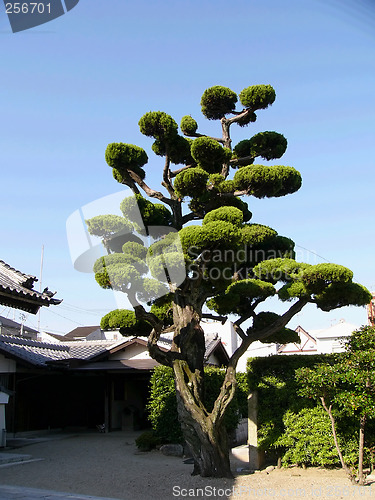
x,y
206,438
203,431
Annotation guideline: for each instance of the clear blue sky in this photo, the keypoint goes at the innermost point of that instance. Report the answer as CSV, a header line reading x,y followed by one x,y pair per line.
x,y
70,87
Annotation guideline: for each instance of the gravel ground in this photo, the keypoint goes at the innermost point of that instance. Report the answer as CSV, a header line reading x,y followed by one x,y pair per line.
x,y
110,465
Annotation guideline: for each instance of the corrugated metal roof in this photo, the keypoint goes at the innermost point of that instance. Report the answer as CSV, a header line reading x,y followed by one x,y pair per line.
x,y
16,290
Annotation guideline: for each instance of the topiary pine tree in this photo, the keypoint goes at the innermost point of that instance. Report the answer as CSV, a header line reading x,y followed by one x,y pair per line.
x,y
230,266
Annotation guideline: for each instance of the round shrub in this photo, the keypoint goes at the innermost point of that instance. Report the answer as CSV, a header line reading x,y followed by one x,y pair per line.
x,y
268,145
209,154
178,149
191,182
257,96
158,124
228,214
218,101
219,232
188,125
135,249
123,156
117,319
107,225
258,180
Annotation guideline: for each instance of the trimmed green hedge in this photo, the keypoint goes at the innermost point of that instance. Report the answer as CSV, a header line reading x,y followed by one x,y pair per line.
x,y
274,380
296,428
162,407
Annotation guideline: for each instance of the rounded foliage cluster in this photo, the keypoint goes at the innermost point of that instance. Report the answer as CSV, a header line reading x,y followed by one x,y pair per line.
x,y
228,214
135,249
219,232
177,148
258,180
255,234
188,125
153,214
263,181
249,117
238,296
191,182
107,225
265,320
268,145
218,101
158,124
233,201
122,157
257,96
209,154
118,318
120,258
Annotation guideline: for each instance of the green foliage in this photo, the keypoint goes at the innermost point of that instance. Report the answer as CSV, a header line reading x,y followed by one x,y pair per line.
x,y
228,214
153,214
257,96
170,262
106,226
268,145
218,101
239,296
151,289
125,156
158,124
280,269
255,234
209,154
163,309
188,125
263,181
135,249
342,294
348,386
221,233
191,182
119,258
275,380
118,318
177,148
243,121
119,276
162,406
317,277
308,439
147,441
283,336
126,321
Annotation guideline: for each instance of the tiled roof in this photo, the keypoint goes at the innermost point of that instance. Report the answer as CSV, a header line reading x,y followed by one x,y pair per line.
x,y
31,351
41,354
16,290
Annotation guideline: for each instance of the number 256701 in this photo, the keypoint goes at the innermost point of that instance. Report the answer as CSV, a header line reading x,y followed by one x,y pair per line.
x,y
28,8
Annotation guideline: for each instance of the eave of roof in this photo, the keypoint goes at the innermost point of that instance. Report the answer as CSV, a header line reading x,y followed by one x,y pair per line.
x,y
16,290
